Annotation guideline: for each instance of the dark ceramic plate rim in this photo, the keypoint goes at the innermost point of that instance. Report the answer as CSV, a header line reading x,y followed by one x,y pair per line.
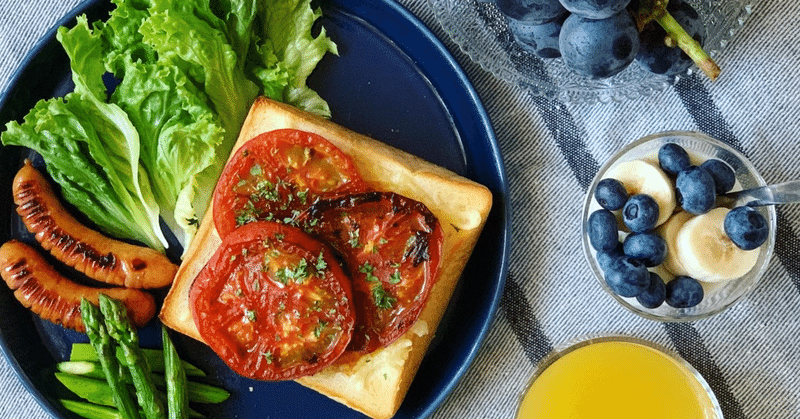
x,y
469,117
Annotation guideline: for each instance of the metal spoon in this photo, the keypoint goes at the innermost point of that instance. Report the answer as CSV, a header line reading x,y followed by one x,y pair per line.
x,y
781,193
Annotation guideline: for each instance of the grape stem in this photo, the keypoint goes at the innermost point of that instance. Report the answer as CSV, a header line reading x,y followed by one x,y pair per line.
x,y
656,10
691,47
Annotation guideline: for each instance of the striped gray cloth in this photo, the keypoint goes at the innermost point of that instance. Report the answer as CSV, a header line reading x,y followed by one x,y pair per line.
x,y
749,354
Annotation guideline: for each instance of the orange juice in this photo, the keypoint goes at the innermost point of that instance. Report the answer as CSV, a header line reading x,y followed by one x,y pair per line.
x,y
617,379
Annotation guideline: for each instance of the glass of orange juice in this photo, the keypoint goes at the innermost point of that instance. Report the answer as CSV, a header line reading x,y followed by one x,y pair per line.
x,y
617,377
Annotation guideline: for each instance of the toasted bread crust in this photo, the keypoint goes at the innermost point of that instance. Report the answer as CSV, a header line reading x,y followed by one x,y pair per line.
x,y
376,383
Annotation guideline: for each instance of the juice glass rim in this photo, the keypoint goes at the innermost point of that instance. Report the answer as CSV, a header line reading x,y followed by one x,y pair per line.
x,y
573,345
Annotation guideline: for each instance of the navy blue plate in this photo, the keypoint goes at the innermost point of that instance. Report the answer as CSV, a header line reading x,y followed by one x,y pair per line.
x,y
394,81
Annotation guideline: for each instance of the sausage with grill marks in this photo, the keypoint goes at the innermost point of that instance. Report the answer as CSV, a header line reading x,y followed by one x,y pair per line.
x,y
95,255
39,287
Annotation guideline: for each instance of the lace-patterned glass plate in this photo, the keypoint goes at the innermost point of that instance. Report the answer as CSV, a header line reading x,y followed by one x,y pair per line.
x,y
479,29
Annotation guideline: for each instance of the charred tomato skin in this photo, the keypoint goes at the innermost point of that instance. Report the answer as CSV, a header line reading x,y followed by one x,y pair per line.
x,y
273,303
391,247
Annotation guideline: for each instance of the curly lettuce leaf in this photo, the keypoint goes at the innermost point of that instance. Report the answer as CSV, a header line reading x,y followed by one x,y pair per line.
x,y
188,71
91,147
286,48
179,136
201,51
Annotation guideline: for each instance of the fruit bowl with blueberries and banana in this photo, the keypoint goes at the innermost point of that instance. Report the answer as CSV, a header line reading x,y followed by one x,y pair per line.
x,y
659,240
586,51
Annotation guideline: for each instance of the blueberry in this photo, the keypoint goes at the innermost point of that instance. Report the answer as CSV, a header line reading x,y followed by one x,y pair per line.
x,y
640,213
538,38
684,292
660,58
606,257
655,293
627,277
723,175
649,248
673,158
603,231
696,191
531,11
598,48
610,194
746,227
595,9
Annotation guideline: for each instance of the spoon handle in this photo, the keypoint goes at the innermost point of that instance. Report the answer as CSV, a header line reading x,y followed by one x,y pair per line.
x,y
781,193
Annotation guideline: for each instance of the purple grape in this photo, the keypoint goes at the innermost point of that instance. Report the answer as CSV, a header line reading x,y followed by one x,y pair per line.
x,y
540,39
599,48
531,11
595,9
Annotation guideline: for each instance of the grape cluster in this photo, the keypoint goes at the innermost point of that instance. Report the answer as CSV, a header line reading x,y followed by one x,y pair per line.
x,y
599,38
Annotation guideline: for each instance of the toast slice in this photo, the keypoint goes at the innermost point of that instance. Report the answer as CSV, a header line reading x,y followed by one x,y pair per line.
x,y
376,383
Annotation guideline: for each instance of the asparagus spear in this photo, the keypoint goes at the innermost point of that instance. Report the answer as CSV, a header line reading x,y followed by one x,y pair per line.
x,y
177,391
121,329
97,391
155,358
649,11
101,341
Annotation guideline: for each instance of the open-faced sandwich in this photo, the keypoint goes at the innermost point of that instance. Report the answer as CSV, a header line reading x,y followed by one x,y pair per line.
x,y
326,257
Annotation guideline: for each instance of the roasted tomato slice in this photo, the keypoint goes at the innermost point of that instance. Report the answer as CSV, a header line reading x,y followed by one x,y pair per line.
x,y
391,246
277,174
273,303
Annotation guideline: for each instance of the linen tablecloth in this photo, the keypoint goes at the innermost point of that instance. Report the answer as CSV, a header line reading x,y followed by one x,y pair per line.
x,y
749,354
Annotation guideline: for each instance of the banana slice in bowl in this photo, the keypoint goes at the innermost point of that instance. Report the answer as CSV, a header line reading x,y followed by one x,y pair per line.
x,y
669,232
697,245
707,254
642,177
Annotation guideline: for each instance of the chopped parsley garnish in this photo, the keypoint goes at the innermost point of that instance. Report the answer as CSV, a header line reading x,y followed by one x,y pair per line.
x,y
255,170
353,238
303,195
265,190
248,214
366,268
383,300
297,274
251,315
395,278
268,357
321,265
293,219
320,328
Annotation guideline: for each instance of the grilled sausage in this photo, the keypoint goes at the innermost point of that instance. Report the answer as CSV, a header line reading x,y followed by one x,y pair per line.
x,y
97,256
39,287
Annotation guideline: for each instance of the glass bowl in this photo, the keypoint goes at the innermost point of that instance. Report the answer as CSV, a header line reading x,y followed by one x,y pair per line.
x,y
479,29
651,368
717,296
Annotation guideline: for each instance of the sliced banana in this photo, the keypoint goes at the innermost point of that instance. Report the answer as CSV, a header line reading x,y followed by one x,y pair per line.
x,y
706,252
669,232
640,176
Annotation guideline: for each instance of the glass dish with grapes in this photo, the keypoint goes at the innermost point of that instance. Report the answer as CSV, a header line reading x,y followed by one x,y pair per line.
x,y
582,51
